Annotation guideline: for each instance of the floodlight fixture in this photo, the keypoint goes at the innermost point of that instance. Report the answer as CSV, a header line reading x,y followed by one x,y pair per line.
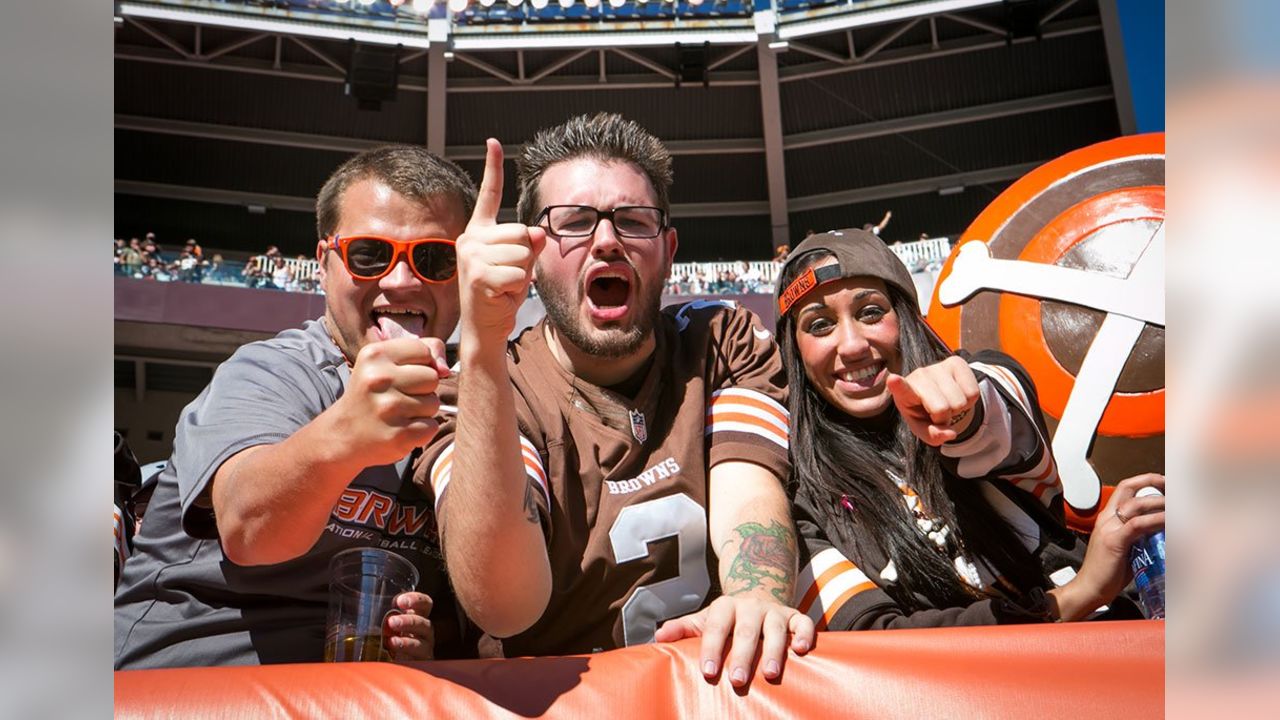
x,y
538,4
457,6
591,3
487,3
422,7
566,4
368,2
617,3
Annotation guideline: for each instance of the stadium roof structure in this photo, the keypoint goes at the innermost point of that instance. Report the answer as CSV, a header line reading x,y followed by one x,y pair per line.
x,y
783,115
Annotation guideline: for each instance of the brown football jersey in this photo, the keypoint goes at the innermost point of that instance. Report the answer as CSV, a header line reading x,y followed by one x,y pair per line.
x,y
622,483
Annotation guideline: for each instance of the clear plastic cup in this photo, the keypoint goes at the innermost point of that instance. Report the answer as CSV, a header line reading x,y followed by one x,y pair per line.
x,y
363,585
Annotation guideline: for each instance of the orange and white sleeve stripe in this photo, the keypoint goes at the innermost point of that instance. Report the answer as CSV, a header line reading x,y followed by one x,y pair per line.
x,y
1041,480
442,469
828,582
747,411
122,546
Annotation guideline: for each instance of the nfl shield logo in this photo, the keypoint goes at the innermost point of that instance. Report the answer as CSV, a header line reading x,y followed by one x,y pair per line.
x,y
638,428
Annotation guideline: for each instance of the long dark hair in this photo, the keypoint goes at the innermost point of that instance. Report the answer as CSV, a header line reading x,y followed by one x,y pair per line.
x,y
836,456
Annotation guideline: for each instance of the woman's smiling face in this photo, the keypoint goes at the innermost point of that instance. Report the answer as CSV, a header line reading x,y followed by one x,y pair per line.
x,y
847,336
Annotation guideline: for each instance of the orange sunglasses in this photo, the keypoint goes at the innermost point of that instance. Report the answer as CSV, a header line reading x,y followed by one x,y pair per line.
x,y
369,257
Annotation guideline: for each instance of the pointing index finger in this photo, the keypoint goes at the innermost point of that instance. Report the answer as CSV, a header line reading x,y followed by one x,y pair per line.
x,y
489,198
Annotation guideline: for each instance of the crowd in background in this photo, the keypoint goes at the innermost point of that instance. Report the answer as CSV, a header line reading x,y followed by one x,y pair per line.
x,y
145,259
705,280
273,272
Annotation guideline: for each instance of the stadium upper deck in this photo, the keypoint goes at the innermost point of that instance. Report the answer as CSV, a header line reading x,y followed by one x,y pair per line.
x,y
231,114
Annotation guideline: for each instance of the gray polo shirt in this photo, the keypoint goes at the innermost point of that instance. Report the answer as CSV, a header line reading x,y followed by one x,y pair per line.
x,y
180,602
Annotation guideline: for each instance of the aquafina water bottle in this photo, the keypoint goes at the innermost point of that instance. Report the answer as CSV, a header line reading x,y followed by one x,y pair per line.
x,y
1147,559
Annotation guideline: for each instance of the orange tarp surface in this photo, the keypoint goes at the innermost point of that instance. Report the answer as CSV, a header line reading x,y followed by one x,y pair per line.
x,y
1082,670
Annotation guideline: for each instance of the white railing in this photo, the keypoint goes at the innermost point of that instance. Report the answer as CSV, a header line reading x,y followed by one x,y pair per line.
x,y
705,273
917,256
301,269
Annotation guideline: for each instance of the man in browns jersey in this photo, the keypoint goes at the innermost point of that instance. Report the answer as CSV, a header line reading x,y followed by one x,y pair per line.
x,y
615,468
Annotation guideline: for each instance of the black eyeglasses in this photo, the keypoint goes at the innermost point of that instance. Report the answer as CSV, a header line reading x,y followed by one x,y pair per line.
x,y
578,221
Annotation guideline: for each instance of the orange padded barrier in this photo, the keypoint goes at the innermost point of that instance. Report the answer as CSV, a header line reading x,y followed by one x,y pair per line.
x,y
1082,670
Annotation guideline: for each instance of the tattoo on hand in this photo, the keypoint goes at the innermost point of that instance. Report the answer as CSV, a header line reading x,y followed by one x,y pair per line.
x,y
530,505
766,558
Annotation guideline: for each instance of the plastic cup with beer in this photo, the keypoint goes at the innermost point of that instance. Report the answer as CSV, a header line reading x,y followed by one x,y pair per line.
x,y
363,585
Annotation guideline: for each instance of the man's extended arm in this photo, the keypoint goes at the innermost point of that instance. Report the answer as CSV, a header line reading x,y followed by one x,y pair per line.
x,y
489,522
272,502
752,532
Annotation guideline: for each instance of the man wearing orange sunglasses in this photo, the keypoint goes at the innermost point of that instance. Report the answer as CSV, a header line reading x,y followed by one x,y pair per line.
x,y
300,446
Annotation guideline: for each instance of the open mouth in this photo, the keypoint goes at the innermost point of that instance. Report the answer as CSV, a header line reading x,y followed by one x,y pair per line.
x,y
392,323
860,379
609,294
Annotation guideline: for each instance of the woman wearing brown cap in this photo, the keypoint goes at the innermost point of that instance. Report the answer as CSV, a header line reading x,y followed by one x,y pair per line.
x,y
925,489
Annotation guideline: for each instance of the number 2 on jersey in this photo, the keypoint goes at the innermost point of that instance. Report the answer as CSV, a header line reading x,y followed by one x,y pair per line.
x,y
640,524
